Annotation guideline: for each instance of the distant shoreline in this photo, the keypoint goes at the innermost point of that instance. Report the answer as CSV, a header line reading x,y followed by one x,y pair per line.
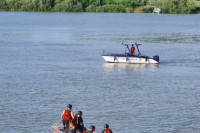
x,y
102,6
92,12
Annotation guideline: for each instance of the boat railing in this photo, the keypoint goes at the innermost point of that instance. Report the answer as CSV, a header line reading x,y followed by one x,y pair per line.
x,y
124,55
115,54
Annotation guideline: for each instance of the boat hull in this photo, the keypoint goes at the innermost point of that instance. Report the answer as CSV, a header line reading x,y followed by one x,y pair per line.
x,y
130,60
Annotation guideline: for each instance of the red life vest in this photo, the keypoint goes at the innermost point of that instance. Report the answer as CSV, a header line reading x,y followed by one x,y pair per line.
x,y
67,115
132,49
107,131
75,121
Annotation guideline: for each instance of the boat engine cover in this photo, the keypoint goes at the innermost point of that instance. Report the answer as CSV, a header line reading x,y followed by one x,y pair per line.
x,y
156,57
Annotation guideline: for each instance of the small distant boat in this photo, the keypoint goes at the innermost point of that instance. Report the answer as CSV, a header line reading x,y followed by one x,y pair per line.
x,y
128,58
156,10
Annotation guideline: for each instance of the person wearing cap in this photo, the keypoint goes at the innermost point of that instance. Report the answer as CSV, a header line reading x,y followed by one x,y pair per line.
x,y
91,130
67,117
106,129
78,122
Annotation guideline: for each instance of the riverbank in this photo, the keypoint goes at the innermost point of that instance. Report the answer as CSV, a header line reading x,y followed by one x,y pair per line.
x,y
114,6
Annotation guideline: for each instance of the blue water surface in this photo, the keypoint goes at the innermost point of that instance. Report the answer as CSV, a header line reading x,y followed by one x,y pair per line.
x,y
48,60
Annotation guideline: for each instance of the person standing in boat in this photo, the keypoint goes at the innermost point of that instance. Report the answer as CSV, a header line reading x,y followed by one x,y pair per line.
x,y
106,129
78,122
67,117
132,50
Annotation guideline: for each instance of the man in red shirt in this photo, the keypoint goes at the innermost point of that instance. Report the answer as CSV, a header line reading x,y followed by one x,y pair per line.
x,y
132,50
67,117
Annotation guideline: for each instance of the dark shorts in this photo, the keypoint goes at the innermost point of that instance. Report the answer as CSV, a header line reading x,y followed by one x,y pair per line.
x,y
65,124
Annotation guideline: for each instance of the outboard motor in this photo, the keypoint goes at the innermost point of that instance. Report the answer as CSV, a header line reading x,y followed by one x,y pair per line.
x,y
156,57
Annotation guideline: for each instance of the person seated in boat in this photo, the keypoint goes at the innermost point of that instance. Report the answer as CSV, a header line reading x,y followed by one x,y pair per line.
x,y
106,129
91,130
67,117
132,50
78,122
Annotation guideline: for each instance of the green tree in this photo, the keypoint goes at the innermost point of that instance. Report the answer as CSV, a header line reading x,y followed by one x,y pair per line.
x,y
43,5
156,3
182,7
91,8
165,6
111,8
27,5
52,3
95,2
11,4
3,5
191,5
108,2
142,2
173,6
85,4
127,3
148,9
69,6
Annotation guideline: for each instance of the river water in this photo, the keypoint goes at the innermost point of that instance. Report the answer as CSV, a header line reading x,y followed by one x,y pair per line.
x,y
48,60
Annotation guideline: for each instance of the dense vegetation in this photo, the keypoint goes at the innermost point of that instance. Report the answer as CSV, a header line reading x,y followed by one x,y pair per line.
x,y
167,6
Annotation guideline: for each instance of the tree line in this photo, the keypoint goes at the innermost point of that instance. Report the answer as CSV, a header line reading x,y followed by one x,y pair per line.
x,y
166,6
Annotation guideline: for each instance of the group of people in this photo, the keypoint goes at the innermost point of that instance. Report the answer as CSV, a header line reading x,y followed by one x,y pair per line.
x,y
74,123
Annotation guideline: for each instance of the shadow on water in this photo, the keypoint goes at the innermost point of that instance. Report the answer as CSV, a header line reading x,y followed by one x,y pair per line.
x,y
110,67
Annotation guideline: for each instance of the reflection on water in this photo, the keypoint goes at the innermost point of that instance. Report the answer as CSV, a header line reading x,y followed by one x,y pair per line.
x,y
110,67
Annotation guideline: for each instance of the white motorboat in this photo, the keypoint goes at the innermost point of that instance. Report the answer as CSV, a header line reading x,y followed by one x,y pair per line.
x,y
129,58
